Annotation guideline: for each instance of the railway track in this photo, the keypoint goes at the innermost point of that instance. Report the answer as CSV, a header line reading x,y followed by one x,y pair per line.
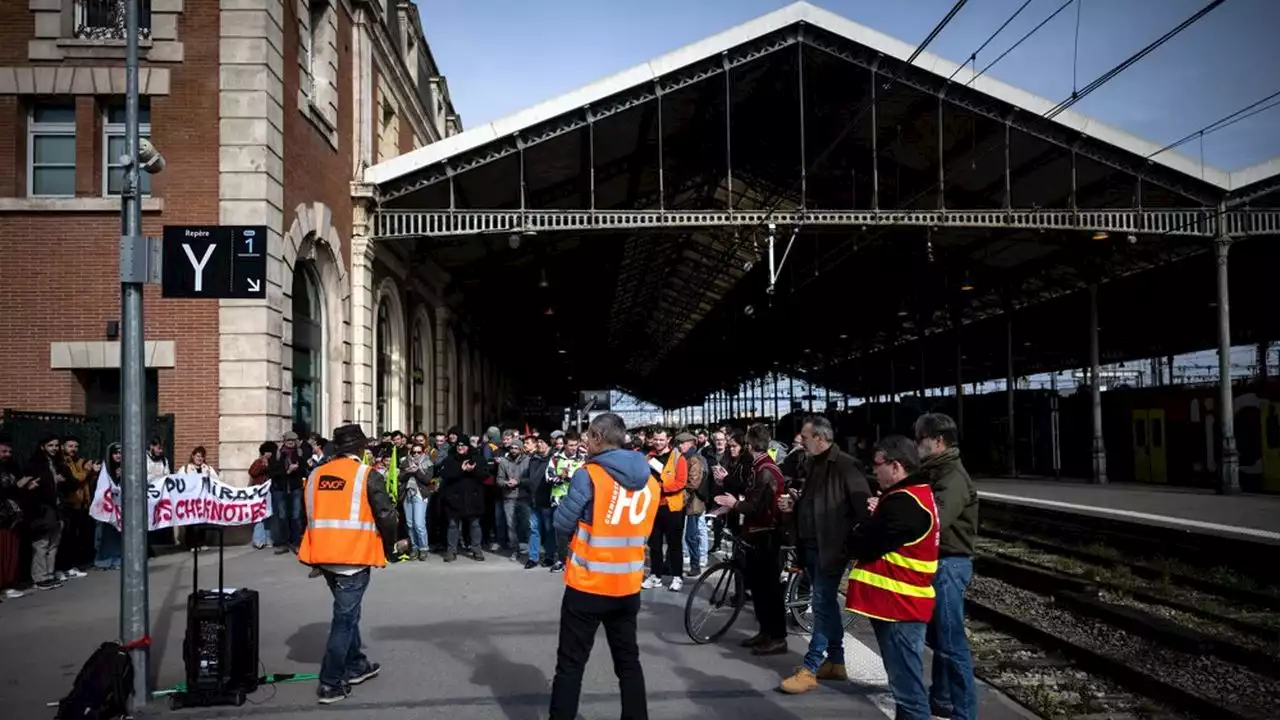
x,y
1107,636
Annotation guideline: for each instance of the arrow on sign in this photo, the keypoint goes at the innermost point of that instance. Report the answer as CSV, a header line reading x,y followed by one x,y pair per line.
x,y
254,285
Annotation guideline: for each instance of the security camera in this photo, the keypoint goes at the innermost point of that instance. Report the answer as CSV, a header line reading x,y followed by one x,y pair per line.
x,y
149,158
514,241
749,310
1133,239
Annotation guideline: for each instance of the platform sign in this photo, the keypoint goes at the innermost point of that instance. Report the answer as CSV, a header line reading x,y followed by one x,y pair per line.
x,y
217,262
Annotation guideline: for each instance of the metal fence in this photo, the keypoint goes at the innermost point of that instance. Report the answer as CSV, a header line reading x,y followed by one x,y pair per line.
x,y
95,432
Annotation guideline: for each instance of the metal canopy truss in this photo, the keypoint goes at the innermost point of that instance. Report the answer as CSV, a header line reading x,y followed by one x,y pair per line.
x,y
647,208
392,224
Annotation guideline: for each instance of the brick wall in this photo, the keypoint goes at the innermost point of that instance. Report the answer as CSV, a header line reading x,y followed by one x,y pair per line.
x,y
314,171
58,270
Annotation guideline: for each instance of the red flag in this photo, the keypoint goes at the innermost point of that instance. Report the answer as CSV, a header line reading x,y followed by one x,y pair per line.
x,y
526,430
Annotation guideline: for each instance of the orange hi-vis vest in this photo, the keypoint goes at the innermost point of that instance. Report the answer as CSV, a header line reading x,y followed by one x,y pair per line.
x,y
672,497
340,526
608,554
898,586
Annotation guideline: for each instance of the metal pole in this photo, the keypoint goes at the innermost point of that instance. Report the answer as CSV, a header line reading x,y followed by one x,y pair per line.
x,y
959,384
134,613
1055,438
1011,437
1095,391
1229,483
776,416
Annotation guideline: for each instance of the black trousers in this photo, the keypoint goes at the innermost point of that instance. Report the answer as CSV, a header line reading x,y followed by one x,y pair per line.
x,y
668,526
762,575
581,614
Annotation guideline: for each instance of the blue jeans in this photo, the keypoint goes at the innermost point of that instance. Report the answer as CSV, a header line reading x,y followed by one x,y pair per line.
x,y
953,686
695,540
827,642
260,534
902,651
286,506
107,542
542,535
343,658
415,517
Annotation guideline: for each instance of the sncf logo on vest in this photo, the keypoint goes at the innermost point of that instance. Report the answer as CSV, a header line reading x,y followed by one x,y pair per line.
x,y
636,503
331,482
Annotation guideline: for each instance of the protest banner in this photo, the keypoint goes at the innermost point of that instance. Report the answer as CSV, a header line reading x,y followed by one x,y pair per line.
x,y
178,500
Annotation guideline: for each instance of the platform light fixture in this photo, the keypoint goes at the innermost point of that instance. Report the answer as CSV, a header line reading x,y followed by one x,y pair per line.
x,y
542,279
1101,235
966,285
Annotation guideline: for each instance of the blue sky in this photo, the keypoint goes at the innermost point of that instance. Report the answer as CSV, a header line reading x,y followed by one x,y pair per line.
x,y
501,56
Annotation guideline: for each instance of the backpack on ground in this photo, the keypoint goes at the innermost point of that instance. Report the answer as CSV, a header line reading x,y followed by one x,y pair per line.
x,y
102,688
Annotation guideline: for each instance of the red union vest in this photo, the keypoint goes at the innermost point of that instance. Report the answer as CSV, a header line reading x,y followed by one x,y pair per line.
x,y
898,586
340,524
608,554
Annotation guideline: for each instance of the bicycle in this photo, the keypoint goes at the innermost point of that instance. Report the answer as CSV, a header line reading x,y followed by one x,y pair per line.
x,y
726,582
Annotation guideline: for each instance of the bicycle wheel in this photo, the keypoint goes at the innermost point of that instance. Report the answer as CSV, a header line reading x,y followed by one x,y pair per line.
x,y
714,603
800,604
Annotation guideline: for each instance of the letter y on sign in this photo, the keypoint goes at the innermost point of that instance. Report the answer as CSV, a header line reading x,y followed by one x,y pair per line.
x,y
198,265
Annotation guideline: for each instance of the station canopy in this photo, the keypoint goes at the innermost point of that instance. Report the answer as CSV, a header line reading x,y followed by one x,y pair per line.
x,y
618,236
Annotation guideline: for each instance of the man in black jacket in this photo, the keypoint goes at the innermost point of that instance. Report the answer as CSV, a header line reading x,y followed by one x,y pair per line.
x,y
953,693
832,502
286,471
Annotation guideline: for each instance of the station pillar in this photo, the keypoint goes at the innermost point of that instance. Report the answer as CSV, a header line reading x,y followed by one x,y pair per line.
x,y
1011,436
1095,391
1229,482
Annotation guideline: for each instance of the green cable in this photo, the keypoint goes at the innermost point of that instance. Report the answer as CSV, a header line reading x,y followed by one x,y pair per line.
x,y
272,679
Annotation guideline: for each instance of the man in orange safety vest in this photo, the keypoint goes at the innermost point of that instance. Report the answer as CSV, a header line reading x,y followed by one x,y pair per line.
x,y
609,511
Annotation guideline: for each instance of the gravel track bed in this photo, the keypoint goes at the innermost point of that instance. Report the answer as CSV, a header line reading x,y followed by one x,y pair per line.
x,y
1044,683
1214,679
1118,580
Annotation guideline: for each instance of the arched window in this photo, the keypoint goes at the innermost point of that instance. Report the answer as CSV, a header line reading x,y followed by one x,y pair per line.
x,y
383,369
418,381
308,350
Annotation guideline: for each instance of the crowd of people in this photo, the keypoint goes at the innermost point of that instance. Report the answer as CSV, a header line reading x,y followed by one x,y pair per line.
x,y
901,543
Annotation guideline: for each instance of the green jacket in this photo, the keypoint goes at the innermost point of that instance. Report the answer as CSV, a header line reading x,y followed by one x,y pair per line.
x,y
957,499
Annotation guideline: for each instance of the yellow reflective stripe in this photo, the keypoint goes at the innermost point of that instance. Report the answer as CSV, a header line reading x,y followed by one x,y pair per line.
x,y
924,566
891,585
933,518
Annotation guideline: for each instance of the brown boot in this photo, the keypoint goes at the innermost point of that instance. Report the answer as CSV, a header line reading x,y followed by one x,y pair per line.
x,y
771,646
832,671
802,682
754,640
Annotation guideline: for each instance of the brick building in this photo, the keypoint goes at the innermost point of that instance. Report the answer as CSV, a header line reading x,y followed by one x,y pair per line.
x,y
266,111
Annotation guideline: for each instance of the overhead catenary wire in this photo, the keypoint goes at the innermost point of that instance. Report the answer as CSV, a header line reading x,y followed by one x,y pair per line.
x,y
1103,79
973,56
1224,122
1021,40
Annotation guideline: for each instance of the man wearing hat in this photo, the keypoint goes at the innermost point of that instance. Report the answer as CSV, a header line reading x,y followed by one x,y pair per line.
x,y
350,522
695,502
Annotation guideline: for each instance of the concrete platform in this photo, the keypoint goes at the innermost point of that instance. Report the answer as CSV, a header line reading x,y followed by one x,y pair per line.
x,y
465,641
1247,517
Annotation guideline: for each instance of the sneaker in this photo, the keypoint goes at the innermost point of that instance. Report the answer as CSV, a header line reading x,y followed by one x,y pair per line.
x,y
327,695
48,585
76,573
450,556
493,547
370,673
12,594
835,671
695,571
259,546
558,567
940,711
60,577
515,557
283,550
651,582
801,682
676,584
770,647
531,564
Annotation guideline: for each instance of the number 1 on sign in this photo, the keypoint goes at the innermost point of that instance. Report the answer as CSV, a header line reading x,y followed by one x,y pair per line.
x,y
248,244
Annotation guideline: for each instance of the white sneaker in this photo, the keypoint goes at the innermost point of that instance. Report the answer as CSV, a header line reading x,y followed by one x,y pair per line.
x,y
676,584
12,594
651,582
59,576
74,573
